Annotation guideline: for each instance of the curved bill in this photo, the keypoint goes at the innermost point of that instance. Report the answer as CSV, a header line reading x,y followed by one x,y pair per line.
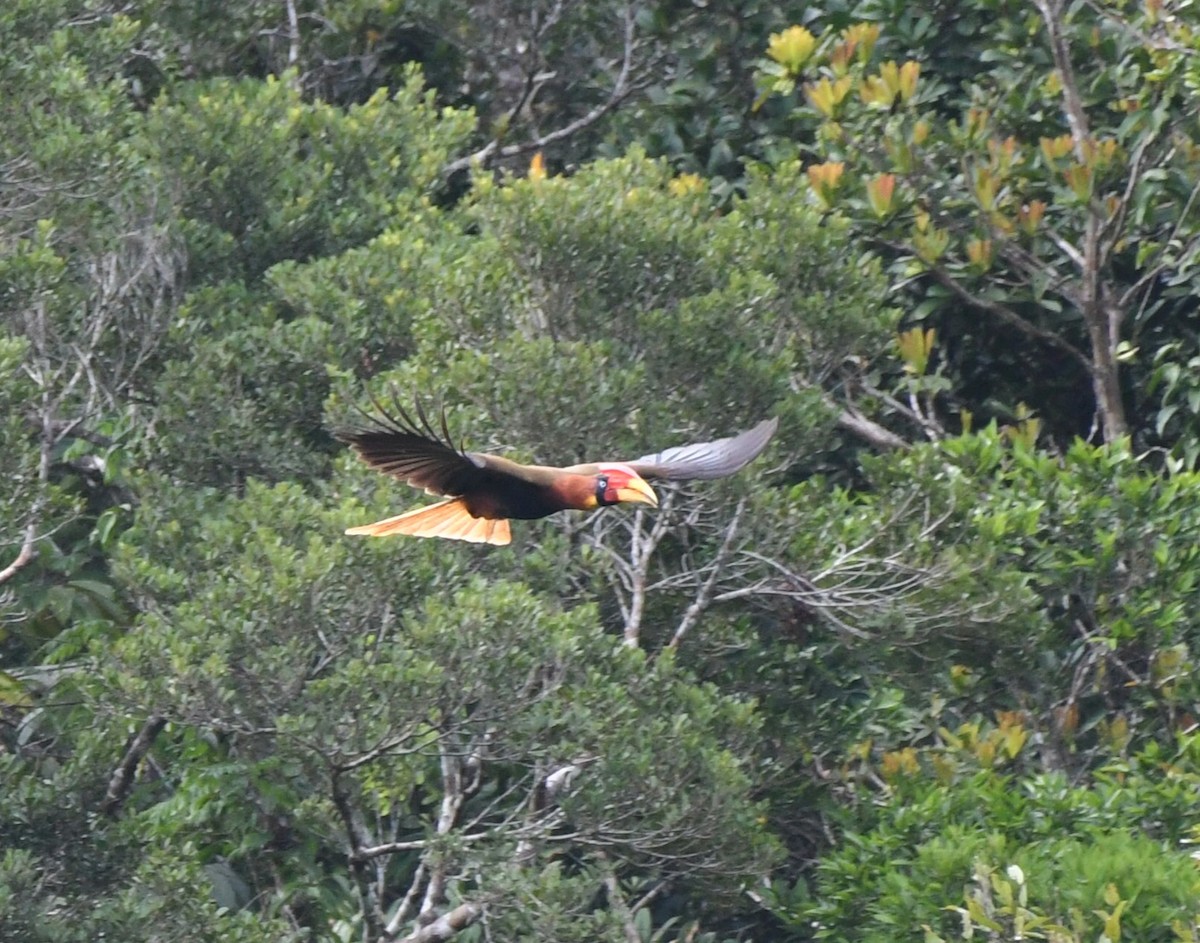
x,y
636,491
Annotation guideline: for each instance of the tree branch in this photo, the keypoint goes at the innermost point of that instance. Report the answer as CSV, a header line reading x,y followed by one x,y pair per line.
x,y
452,800
705,593
121,781
355,833
641,551
1006,315
406,906
1103,320
24,555
415,844
447,925
868,430
48,439
616,900
1052,13
622,88
293,34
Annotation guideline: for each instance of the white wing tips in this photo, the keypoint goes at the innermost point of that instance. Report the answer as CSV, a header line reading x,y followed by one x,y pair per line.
x,y
447,519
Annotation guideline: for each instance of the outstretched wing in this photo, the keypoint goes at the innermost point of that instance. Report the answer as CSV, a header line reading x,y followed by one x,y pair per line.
x,y
704,460
412,450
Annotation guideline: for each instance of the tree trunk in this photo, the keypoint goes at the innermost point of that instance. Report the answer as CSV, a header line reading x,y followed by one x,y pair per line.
x,y
1106,384
1104,333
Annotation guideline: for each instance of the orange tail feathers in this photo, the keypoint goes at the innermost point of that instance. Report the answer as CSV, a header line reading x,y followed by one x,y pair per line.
x,y
448,519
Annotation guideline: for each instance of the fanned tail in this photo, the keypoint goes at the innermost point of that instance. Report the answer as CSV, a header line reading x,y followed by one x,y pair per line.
x,y
448,519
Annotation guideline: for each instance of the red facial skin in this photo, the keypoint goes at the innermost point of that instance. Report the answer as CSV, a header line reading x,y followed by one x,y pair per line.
x,y
618,476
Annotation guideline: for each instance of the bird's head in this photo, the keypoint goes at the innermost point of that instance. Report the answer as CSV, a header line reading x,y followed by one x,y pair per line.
x,y
620,484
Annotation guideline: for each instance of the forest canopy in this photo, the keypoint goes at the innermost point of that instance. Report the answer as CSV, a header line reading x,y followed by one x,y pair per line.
x,y
922,668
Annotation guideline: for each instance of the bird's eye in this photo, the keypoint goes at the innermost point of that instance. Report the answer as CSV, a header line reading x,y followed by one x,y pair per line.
x,y
602,490
602,483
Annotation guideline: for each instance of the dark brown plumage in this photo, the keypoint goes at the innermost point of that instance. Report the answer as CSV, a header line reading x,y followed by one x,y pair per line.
x,y
485,491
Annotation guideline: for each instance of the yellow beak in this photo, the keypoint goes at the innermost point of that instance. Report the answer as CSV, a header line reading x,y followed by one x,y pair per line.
x,y
637,492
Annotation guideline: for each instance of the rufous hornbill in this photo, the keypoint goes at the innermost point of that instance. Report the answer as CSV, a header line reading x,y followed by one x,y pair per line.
x,y
484,492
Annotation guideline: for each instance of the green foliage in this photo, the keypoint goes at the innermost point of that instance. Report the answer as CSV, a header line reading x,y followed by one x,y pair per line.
x,y
1032,850
248,404
304,698
68,874
949,686
1065,220
226,146
251,403
18,465
1090,549
663,305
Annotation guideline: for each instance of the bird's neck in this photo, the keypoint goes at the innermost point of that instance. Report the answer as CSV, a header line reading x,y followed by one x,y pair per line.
x,y
574,492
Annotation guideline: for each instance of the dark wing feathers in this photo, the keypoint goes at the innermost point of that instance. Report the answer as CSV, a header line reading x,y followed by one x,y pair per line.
x,y
704,460
411,449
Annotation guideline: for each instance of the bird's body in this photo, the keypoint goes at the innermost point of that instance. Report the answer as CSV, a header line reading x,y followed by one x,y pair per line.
x,y
486,491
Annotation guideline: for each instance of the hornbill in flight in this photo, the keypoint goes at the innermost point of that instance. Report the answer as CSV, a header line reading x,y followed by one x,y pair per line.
x,y
483,492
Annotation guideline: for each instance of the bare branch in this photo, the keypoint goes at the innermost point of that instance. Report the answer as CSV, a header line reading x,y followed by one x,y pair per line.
x,y
446,926
121,781
452,800
49,438
416,844
293,55
1052,15
357,838
799,587
405,910
641,552
869,431
629,576
705,594
389,747
616,901
1065,247
623,87
1103,320
24,555
933,430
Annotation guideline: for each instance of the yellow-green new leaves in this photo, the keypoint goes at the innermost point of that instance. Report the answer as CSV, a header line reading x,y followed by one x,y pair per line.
x,y
792,48
1030,215
915,346
986,185
1112,918
1055,148
824,179
929,241
979,254
894,82
826,96
686,185
1079,180
1051,200
881,193
858,41
788,52
897,763
930,244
